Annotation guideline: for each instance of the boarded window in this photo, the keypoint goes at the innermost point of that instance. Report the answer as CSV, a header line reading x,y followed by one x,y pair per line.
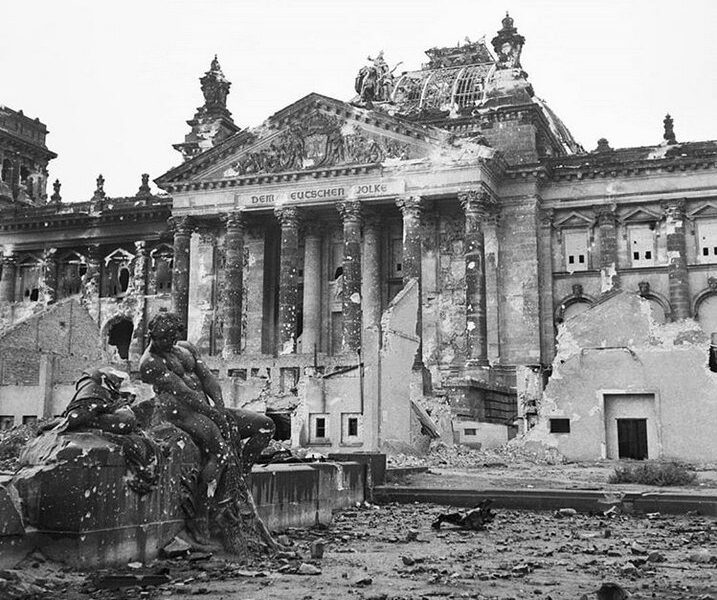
x,y
576,250
559,425
642,246
707,234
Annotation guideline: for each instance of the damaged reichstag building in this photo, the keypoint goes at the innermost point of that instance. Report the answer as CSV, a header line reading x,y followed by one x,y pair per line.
x,y
435,257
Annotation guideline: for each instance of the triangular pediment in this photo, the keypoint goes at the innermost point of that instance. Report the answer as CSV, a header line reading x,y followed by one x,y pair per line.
x,y
315,133
574,219
708,209
640,215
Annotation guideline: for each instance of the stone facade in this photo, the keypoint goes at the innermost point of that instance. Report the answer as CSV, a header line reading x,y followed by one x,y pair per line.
x,y
289,245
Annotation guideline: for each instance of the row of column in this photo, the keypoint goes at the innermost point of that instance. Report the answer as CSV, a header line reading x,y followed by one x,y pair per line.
x,y
361,303
676,252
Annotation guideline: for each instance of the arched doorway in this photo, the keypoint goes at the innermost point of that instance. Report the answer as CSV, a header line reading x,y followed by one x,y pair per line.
x,y
119,335
707,313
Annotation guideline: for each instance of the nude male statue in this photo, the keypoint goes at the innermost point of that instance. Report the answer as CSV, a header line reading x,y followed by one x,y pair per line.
x,y
190,397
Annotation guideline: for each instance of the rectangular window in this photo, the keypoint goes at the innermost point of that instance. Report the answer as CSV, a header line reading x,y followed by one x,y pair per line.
x,y
642,245
559,425
576,250
353,426
707,235
320,427
470,432
6,422
29,419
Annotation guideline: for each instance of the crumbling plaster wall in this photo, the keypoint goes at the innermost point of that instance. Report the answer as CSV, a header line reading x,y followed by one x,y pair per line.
x,y
616,348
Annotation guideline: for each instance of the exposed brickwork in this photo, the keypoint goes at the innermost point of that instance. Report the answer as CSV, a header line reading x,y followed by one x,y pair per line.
x,y
677,259
607,249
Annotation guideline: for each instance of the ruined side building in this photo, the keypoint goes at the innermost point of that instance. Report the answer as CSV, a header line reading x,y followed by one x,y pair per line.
x,y
385,270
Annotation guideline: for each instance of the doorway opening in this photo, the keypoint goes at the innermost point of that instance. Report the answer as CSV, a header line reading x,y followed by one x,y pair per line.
x,y
120,336
632,438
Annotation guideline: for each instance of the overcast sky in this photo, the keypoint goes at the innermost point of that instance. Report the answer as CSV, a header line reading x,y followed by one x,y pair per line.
x,y
116,81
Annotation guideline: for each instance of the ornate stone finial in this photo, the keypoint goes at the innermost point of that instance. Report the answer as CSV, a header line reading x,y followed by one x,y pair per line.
x,y
508,45
100,190
215,88
288,216
643,288
410,205
669,134
144,188
603,146
56,198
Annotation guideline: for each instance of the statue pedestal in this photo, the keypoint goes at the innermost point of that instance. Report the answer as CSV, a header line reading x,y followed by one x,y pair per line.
x,y
79,508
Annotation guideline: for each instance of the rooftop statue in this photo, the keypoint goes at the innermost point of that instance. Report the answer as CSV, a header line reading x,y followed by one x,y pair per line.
x,y
375,81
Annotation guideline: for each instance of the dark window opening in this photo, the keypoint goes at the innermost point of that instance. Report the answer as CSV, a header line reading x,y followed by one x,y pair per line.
x,y
320,427
338,273
120,336
571,259
282,423
714,250
559,425
353,426
6,422
470,432
632,438
648,254
398,266
636,255
581,259
29,419
706,251
123,279
34,295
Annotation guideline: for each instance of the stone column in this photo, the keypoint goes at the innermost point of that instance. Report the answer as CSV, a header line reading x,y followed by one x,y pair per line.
x,y
607,259
371,274
139,283
180,271
545,279
475,205
7,278
288,277
677,257
233,283
91,281
410,207
311,335
49,275
350,211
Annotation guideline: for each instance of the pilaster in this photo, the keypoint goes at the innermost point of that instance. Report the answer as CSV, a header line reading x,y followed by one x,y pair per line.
x,y
350,211
233,282
182,227
288,217
677,257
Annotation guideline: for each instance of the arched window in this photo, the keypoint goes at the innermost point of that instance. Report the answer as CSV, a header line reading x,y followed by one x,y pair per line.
x,y
71,268
29,276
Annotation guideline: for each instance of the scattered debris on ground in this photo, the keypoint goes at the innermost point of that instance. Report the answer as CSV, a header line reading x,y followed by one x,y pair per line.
x,y
391,553
457,456
472,520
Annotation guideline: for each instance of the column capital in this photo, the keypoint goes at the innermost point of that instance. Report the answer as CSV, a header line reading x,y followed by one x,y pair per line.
x,y
546,216
9,259
180,225
674,209
140,248
350,210
94,252
49,253
606,214
288,216
234,220
410,205
207,233
476,202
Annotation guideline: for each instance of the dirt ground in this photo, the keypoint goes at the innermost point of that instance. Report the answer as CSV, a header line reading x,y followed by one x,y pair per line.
x,y
576,476
391,553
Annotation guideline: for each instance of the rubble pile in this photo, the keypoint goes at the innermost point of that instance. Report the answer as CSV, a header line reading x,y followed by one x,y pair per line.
x,y
11,443
463,457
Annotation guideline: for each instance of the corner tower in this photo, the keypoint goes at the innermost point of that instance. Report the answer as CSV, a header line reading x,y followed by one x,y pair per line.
x,y
212,122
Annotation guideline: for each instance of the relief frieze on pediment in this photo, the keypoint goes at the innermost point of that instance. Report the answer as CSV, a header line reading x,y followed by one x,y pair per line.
x,y
319,142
